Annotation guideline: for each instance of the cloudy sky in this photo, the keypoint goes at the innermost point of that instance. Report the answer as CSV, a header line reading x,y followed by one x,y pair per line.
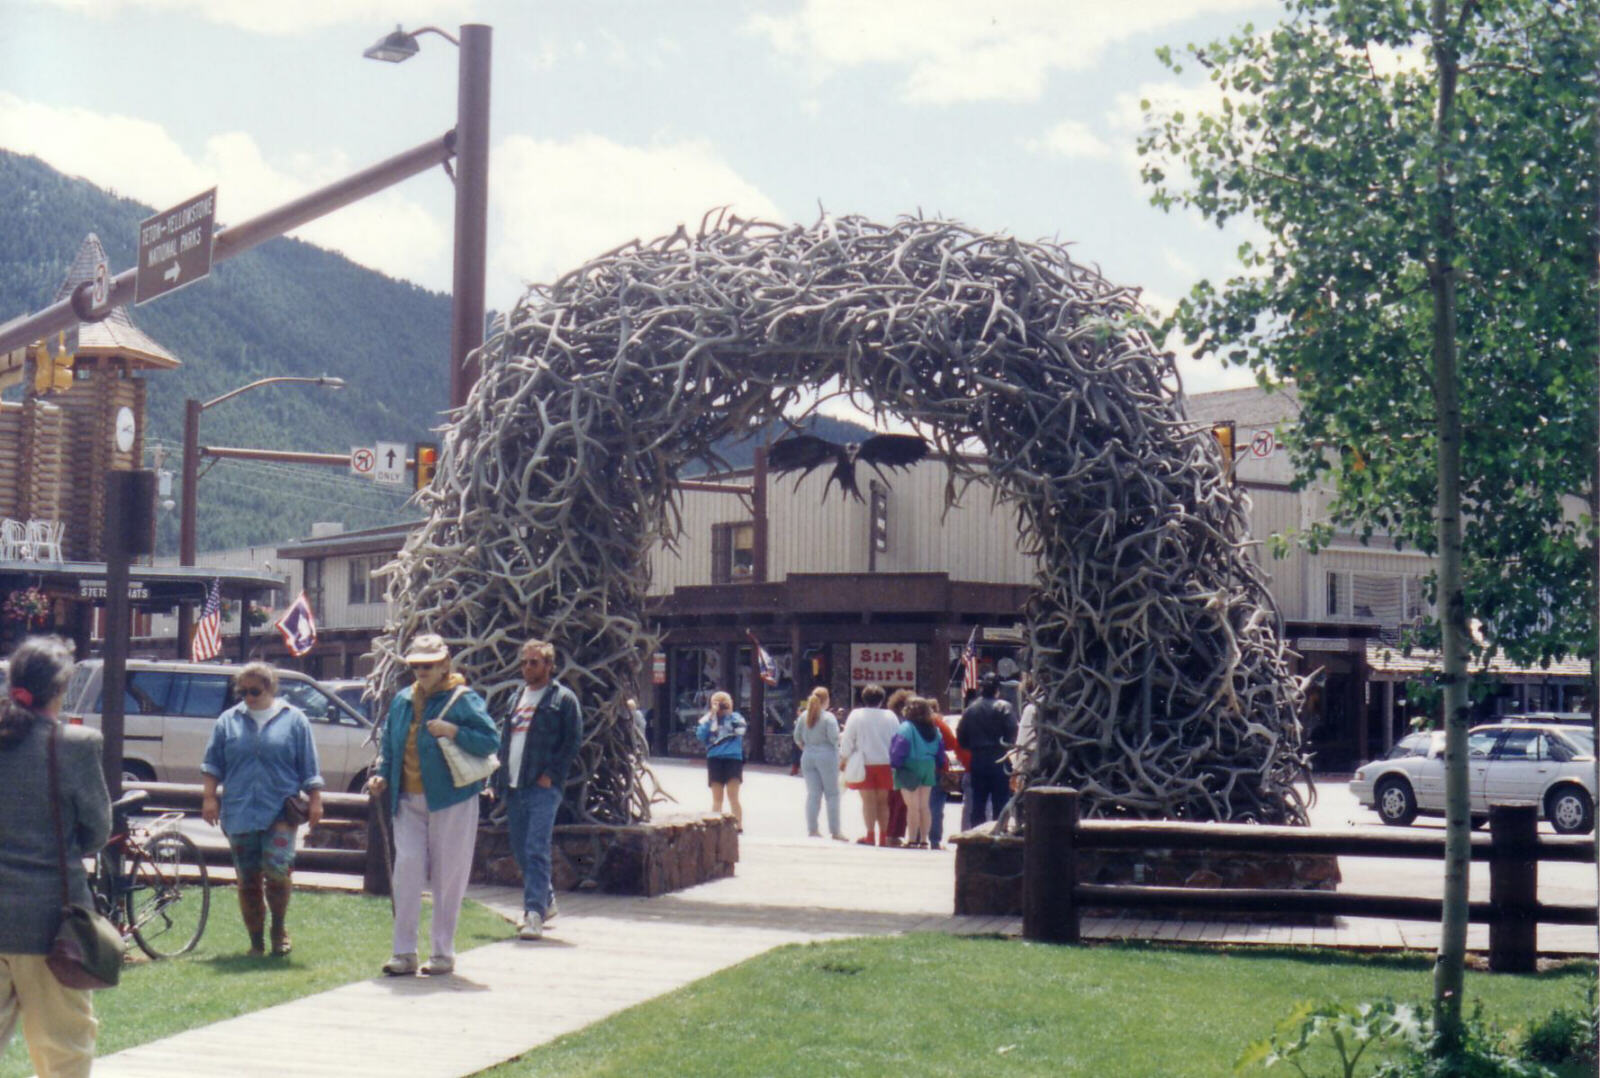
x,y
617,120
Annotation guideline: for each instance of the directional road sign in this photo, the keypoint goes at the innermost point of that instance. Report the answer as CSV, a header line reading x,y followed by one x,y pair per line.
x,y
175,247
1262,443
362,460
391,463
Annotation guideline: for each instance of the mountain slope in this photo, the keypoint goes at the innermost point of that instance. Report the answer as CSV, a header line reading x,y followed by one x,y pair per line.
x,y
285,307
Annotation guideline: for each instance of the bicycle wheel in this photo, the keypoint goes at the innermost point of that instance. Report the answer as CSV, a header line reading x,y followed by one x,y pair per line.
x,y
169,897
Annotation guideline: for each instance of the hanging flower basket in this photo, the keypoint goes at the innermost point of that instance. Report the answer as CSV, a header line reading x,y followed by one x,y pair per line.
x,y
27,605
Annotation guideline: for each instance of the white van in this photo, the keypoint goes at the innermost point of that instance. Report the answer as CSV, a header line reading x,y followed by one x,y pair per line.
x,y
169,708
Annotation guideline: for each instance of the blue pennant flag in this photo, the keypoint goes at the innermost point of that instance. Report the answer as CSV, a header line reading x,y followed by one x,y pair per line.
x,y
298,627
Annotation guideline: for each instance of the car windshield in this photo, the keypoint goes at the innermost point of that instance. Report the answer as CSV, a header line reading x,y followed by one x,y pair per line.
x,y
1411,745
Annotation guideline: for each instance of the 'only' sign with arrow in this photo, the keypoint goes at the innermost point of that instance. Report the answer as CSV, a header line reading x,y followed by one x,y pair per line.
x,y
390,467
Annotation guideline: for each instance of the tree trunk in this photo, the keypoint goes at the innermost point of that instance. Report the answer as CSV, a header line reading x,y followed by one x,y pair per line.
x,y
1449,967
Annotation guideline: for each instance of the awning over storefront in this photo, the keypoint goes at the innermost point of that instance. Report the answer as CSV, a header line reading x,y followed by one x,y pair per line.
x,y
150,587
1389,663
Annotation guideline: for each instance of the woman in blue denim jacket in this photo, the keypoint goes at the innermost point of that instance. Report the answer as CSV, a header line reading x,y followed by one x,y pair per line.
x,y
261,752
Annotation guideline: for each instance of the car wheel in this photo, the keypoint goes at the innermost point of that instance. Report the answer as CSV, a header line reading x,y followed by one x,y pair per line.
x,y
358,781
1396,804
137,771
1570,810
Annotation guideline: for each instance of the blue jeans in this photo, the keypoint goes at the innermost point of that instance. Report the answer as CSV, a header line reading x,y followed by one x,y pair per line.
x,y
936,806
530,820
991,789
820,766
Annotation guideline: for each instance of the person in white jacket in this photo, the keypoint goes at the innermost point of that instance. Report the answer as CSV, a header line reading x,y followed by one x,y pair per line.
x,y
868,730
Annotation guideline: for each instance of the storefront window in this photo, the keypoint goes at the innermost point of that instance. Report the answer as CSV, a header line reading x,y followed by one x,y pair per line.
x,y
696,673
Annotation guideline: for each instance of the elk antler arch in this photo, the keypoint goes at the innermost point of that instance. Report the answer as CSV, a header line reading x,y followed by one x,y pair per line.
x,y
1164,685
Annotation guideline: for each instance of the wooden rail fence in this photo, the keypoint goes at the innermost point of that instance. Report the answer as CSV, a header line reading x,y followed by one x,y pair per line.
x,y
1052,897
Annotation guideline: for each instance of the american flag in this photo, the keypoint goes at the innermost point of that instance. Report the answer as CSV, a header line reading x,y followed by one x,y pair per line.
x,y
969,662
297,627
765,667
207,642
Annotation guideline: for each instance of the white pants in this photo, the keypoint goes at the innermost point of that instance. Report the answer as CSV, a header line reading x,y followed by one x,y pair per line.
x,y
436,848
57,1021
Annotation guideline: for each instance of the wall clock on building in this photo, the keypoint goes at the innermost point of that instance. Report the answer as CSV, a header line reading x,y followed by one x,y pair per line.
x,y
125,428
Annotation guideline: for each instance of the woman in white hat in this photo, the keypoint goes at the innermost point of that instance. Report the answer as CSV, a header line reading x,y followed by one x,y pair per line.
x,y
435,821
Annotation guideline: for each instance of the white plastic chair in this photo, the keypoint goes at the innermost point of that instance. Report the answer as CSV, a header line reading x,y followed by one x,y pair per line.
x,y
45,538
14,543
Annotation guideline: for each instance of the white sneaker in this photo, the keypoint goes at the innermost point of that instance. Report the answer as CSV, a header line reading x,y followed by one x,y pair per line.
x,y
532,927
550,911
401,965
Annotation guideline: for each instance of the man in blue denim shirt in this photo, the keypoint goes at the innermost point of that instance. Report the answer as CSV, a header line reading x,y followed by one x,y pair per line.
x,y
262,753
538,743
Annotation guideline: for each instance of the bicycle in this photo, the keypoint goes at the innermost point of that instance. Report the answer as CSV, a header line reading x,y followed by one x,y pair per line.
x,y
151,882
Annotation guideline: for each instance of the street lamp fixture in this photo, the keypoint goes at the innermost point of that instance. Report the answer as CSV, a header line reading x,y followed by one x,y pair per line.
x,y
471,145
401,45
191,468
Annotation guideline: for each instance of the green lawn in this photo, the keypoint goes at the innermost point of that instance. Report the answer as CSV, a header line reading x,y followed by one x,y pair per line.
x,y
338,938
936,1005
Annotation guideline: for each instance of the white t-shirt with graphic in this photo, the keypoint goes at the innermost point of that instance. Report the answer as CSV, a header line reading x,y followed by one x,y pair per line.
x,y
521,719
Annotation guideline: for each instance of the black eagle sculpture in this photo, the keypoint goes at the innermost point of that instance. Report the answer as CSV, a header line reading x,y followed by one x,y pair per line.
x,y
808,452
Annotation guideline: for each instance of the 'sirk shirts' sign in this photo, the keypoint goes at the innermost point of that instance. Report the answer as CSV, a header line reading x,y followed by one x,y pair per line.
x,y
890,665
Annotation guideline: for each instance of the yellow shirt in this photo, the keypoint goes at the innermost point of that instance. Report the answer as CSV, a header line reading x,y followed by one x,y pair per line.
x,y
411,763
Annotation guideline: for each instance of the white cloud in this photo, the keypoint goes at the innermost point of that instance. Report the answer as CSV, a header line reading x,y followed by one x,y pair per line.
x,y
286,16
957,50
141,160
555,205
1069,138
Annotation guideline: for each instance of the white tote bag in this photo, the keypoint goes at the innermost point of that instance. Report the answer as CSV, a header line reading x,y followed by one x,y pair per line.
x,y
855,769
465,768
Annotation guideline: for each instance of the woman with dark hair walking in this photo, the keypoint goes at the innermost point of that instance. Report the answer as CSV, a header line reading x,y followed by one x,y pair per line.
x,y
57,1022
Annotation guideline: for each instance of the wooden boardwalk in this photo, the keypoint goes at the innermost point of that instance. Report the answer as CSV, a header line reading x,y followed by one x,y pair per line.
x,y
606,953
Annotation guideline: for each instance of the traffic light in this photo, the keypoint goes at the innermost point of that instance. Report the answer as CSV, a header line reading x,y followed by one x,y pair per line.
x,y
426,456
1224,434
52,372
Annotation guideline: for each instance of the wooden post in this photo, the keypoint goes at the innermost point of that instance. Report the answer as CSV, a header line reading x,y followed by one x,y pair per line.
x,y
375,871
1049,865
1513,887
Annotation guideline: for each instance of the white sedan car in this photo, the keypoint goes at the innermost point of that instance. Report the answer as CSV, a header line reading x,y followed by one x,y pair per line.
x,y
1515,762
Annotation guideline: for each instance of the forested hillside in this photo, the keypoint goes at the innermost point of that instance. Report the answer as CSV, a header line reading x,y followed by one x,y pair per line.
x,y
285,307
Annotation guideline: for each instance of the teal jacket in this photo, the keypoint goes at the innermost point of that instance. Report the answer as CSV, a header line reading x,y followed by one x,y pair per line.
x,y
478,735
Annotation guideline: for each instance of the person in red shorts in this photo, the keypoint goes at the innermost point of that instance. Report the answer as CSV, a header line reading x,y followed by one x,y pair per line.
x,y
868,731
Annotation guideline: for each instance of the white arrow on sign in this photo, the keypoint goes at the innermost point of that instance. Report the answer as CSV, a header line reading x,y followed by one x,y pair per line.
x,y
391,463
171,274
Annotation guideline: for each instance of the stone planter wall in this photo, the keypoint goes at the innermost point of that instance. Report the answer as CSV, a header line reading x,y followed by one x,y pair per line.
x,y
989,875
640,859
